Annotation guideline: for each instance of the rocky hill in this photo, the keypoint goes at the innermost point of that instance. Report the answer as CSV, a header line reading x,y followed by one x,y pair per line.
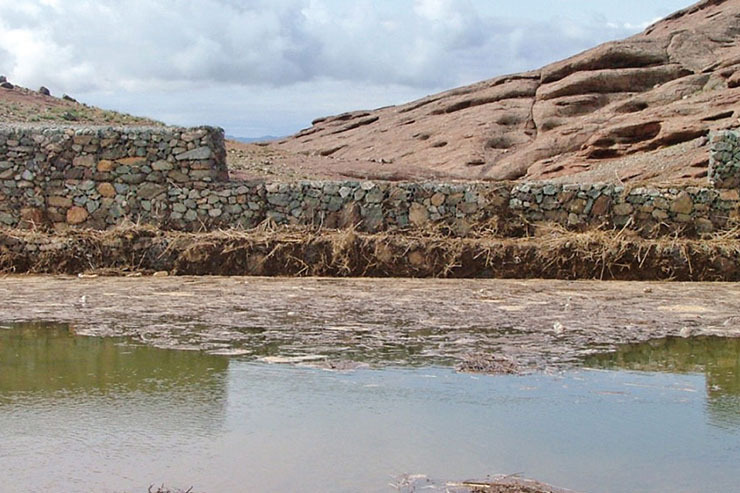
x,y
632,110
21,105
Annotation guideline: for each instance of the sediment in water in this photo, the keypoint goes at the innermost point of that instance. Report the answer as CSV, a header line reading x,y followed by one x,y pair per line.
x,y
552,253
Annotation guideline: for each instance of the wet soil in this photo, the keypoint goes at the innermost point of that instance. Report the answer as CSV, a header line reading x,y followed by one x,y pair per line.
x,y
487,326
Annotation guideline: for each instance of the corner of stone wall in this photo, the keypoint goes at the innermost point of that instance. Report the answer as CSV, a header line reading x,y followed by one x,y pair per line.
x,y
97,176
724,159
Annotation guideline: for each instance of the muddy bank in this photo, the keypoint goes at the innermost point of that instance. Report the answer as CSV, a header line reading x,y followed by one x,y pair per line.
x,y
551,253
498,484
342,323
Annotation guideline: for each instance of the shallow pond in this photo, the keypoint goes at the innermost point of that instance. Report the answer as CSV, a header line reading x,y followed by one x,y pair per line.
x,y
80,414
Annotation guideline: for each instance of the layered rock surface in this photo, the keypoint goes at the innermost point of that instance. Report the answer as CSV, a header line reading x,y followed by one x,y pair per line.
x,y
639,109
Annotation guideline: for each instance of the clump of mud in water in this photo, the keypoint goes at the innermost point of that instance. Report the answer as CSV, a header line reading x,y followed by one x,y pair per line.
x,y
497,484
492,364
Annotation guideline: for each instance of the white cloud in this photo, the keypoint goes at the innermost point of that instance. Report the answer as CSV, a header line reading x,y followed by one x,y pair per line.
x,y
106,44
171,46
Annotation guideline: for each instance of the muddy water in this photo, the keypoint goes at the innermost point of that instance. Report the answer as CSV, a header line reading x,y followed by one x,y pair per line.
x,y
340,322
80,414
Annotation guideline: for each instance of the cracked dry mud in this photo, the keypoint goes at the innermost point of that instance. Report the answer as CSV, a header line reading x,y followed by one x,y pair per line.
x,y
479,325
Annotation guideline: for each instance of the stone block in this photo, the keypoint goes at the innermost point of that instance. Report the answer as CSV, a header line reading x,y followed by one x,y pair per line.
x,y
106,190
682,204
106,166
133,178
133,162
7,219
623,209
418,215
374,196
195,154
438,199
729,195
59,201
77,215
87,161
468,207
703,225
162,166
178,177
148,191
82,139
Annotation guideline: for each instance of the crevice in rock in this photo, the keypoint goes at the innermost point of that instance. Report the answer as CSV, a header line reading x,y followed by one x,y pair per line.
x,y
359,124
719,116
329,152
632,107
308,131
677,137
418,105
471,103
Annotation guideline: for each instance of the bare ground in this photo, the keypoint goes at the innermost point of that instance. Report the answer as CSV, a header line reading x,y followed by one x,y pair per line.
x,y
269,162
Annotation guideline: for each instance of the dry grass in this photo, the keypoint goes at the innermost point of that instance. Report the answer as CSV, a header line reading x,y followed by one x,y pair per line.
x,y
21,105
551,252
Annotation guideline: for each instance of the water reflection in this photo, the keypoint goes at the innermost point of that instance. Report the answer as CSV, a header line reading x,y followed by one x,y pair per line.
x,y
46,358
85,414
718,358
73,407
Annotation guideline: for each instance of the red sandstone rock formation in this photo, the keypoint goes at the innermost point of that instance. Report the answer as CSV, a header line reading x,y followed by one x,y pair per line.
x,y
631,110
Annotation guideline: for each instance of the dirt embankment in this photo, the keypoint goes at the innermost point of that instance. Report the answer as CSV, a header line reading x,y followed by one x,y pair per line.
x,y
551,253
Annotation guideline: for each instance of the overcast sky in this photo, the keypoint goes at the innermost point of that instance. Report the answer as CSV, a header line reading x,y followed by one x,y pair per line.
x,y
268,67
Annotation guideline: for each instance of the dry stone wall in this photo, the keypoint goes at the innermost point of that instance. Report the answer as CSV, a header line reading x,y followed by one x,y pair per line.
x,y
177,179
724,160
88,176
650,210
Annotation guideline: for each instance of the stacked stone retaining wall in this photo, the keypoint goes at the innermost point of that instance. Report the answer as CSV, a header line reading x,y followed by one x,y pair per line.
x,y
88,176
177,179
724,160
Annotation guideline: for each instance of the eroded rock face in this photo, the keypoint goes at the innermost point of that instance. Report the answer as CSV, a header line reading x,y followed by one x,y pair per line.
x,y
633,110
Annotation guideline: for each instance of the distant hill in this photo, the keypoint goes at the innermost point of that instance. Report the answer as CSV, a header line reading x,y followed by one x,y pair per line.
x,y
634,110
251,140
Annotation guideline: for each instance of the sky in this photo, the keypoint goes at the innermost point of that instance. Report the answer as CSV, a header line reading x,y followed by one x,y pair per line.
x,y
269,67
